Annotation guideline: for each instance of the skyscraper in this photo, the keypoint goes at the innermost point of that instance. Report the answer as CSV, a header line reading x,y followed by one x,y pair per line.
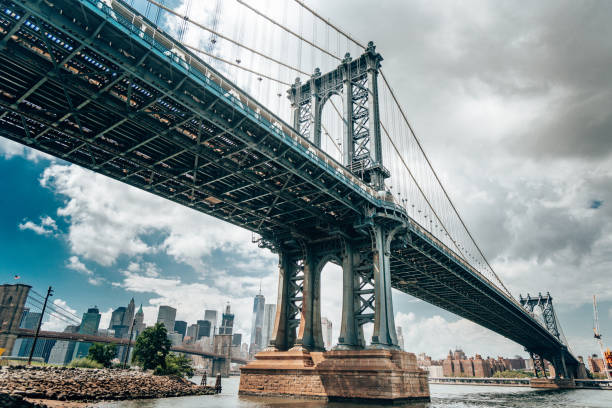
x,y
192,332
227,321
211,316
139,324
128,317
89,325
400,337
167,315
117,317
257,323
203,329
180,327
268,324
326,326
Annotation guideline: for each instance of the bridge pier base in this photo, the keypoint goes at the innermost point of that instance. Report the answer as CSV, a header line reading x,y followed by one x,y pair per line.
x,y
552,383
373,375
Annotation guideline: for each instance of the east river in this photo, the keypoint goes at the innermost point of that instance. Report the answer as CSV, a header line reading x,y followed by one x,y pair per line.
x,y
442,396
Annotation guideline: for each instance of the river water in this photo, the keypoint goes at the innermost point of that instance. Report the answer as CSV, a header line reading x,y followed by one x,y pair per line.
x,y
442,396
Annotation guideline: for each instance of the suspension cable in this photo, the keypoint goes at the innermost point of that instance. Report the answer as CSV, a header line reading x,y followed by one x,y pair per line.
x,y
235,65
210,30
276,23
438,180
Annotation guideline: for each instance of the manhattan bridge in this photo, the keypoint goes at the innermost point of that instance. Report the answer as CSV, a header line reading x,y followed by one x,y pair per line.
x,y
273,119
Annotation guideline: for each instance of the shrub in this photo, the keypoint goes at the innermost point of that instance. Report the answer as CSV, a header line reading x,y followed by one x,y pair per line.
x,y
178,365
102,353
85,363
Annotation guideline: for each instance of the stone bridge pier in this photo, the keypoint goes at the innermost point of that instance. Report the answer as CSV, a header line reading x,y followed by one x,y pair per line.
x,y
296,362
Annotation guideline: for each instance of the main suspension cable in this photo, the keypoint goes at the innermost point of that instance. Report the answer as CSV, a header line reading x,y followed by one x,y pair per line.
x,y
218,34
276,23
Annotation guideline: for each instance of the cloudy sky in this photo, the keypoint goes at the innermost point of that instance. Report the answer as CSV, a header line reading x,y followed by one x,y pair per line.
x,y
512,104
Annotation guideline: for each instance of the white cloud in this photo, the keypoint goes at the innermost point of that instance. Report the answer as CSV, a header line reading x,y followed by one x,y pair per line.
x,y
60,318
435,335
47,226
9,149
75,264
108,219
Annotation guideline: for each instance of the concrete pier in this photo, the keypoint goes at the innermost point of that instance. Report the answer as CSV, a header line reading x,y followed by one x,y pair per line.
x,y
374,376
552,383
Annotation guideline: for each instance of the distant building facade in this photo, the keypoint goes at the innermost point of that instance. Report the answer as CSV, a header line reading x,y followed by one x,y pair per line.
x,y
89,325
227,321
326,327
212,317
257,323
180,326
268,323
457,364
166,315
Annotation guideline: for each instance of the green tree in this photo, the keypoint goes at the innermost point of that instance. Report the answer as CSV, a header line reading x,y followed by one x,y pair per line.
x,y
152,346
102,353
176,365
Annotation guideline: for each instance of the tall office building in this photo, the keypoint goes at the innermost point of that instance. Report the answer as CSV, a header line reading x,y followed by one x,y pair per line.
x,y
326,326
167,315
89,325
211,316
268,324
181,328
139,324
192,332
204,329
227,321
257,323
400,337
128,317
117,317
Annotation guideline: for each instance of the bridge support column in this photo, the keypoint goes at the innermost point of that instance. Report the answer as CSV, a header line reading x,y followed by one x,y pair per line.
x,y
309,335
289,292
351,333
384,335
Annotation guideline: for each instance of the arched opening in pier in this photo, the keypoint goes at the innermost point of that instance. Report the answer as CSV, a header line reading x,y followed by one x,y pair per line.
x,y
331,303
332,126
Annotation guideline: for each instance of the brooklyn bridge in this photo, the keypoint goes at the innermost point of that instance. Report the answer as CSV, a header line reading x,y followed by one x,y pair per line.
x,y
99,84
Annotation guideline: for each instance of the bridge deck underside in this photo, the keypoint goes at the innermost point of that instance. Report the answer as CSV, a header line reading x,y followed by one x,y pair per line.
x,y
128,112
423,271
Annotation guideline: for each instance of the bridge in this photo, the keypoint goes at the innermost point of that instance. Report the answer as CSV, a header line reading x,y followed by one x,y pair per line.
x,y
99,84
88,338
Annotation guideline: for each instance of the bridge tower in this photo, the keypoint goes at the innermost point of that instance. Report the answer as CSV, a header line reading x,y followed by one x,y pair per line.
x,y
356,81
296,354
12,302
557,357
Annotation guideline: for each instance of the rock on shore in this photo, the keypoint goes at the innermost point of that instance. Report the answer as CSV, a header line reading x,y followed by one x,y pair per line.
x,y
88,385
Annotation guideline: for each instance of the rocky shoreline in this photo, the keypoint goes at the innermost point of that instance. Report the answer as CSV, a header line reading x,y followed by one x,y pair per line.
x,y
30,386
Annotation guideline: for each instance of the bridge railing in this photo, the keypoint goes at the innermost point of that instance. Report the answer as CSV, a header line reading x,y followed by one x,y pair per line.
x,y
184,59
